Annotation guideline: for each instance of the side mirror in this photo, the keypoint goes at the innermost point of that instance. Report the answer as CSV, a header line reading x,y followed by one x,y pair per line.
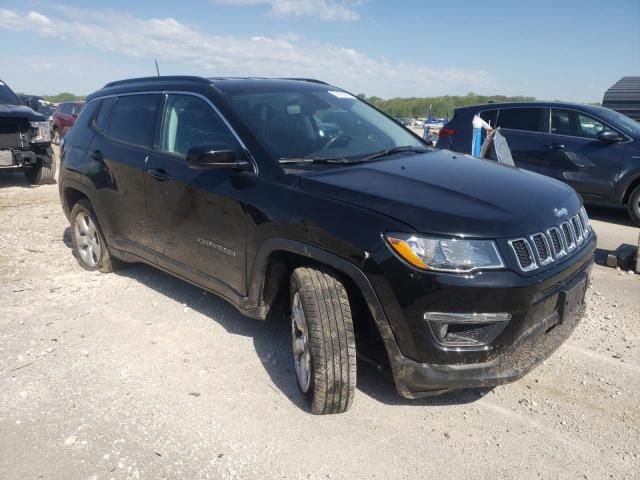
x,y
608,136
212,157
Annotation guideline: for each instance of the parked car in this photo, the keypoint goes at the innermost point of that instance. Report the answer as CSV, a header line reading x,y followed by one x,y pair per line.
x,y
594,149
450,271
24,140
63,119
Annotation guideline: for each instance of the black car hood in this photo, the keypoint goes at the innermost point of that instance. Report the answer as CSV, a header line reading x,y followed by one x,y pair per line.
x,y
446,193
20,111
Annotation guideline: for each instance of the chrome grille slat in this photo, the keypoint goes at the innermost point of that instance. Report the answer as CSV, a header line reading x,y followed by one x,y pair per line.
x,y
543,248
524,254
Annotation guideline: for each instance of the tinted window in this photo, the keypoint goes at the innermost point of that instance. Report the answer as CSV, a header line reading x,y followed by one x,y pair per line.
x,y
133,119
489,116
103,114
189,121
7,96
573,123
530,119
75,108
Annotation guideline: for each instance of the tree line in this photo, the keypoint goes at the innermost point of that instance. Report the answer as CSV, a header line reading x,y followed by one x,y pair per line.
x,y
441,107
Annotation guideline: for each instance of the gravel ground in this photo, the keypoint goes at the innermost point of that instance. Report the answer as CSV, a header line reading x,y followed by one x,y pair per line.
x,y
140,375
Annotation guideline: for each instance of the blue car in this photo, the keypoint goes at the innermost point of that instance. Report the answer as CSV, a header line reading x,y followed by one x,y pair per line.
x,y
594,149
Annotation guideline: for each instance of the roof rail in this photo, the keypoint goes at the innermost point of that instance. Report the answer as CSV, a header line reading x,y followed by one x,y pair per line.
x,y
157,79
306,80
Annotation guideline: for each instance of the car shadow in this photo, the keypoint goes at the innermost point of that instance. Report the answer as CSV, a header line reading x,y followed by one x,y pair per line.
x,y
14,179
271,340
617,215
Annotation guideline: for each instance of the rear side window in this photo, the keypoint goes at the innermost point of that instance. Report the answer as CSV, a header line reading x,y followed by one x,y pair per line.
x,y
529,119
489,116
102,118
133,119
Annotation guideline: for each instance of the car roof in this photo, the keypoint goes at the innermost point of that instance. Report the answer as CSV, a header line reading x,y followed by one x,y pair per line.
x,y
540,104
223,84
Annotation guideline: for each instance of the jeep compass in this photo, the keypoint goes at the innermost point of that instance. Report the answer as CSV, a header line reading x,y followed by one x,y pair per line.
x,y
292,197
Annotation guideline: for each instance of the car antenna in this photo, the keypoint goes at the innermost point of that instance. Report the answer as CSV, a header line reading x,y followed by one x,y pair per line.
x,y
157,69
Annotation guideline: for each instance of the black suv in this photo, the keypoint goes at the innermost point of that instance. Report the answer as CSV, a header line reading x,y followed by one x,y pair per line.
x,y
594,149
25,139
453,271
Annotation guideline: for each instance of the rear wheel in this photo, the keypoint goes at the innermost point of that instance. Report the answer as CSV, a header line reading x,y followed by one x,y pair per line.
x,y
634,205
89,246
324,350
43,172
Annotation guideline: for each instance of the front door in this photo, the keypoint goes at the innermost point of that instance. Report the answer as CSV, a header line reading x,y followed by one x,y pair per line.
x,y
197,219
577,157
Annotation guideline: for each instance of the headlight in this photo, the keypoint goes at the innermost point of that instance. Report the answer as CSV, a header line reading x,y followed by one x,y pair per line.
x,y
445,254
42,134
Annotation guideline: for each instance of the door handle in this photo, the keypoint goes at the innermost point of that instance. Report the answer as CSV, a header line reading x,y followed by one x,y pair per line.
x,y
96,155
555,146
158,174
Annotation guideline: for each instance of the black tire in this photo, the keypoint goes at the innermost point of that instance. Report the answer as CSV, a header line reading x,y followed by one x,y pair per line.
x,y
43,173
634,205
331,342
104,261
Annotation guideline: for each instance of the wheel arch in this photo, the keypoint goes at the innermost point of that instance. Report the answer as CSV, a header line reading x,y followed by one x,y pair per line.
x,y
635,182
269,285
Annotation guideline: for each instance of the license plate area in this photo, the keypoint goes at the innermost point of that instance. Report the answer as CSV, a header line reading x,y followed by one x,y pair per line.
x,y
572,297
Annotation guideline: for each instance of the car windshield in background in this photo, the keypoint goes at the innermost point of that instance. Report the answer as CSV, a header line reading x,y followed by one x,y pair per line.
x,y
320,124
7,96
626,124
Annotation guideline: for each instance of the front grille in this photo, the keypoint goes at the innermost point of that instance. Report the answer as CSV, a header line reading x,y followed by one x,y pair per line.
x,y
543,248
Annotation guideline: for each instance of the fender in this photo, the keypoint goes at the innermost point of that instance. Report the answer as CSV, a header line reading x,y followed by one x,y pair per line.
x,y
76,185
624,184
258,279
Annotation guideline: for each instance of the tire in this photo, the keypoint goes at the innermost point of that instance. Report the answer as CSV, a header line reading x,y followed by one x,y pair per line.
x,y
634,205
323,340
55,138
43,173
89,246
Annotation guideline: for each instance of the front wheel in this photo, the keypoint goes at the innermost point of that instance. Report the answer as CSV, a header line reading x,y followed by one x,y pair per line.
x,y
634,205
44,171
324,350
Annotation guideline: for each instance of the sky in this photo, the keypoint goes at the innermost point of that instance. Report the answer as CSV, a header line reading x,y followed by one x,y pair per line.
x,y
553,50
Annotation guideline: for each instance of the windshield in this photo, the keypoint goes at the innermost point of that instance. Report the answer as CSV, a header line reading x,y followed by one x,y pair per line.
x,y
626,124
7,96
323,123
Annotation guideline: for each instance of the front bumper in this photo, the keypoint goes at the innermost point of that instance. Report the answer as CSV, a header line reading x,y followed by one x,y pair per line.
x,y
541,322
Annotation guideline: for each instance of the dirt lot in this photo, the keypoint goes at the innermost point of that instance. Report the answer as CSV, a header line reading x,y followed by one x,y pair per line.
x,y
140,375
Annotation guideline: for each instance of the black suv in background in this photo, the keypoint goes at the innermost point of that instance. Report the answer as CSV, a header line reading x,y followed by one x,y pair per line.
x,y
25,140
454,272
594,149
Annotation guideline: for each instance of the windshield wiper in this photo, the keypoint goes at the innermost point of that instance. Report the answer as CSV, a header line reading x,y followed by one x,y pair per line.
x,y
391,151
315,160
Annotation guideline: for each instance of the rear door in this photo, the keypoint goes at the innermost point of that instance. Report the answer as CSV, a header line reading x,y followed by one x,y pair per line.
x,y
577,157
525,129
122,148
198,220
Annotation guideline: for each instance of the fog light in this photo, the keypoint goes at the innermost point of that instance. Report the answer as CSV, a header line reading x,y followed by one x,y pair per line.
x,y
466,329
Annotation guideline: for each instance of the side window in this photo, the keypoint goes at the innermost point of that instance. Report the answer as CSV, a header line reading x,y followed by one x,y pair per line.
x,y
75,109
588,127
189,121
573,123
529,119
100,121
134,118
489,116
64,108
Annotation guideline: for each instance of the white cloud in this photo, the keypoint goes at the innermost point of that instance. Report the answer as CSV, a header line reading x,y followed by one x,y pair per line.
x,y
188,50
330,10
